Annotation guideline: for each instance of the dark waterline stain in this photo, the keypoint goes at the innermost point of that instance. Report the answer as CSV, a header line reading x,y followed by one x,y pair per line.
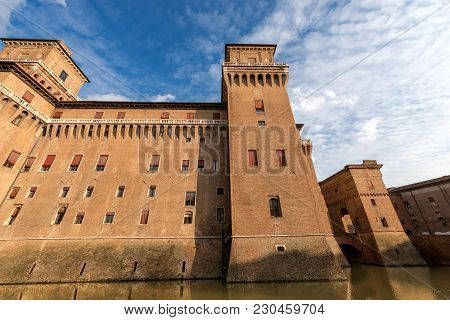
x,y
365,282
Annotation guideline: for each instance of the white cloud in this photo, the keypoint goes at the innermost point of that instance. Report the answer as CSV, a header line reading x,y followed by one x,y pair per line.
x,y
162,97
60,2
106,97
393,107
6,8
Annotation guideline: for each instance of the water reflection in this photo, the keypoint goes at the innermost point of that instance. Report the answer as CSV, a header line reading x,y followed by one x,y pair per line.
x,y
366,282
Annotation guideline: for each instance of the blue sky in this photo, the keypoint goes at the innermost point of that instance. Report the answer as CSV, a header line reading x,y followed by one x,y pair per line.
x,y
394,106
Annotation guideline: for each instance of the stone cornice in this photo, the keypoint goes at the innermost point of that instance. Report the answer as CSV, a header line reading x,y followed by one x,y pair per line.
x,y
141,105
164,122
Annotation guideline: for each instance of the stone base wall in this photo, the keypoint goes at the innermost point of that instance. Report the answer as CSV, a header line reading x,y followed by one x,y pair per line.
x,y
306,258
44,261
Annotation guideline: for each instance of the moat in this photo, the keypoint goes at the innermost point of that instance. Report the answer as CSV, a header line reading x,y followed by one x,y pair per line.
x,y
366,282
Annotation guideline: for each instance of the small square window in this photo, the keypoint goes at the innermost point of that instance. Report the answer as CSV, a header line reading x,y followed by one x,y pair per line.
x,y
63,75
201,164
188,139
165,115
109,217
261,124
120,191
259,105
220,191
64,192
79,218
120,115
202,140
89,191
374,203
152,191
187,218
280,248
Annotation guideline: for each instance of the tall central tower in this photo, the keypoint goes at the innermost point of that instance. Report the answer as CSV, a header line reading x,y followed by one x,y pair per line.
x,y
280,227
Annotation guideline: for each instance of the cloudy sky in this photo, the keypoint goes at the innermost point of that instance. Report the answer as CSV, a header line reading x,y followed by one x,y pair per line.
x,y
369,79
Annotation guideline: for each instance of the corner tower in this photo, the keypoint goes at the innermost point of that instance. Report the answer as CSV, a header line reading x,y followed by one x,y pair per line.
x,y
280,226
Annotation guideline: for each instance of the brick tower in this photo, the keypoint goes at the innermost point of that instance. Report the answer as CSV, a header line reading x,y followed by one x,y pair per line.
x,y
280,227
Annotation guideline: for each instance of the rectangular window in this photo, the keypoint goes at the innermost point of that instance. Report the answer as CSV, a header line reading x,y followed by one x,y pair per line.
x,y
152,191
259,105
220,191
165,115
12,159
57,115
216,116
252,158
185,165
190,115
101,164
28,96
75,162
109,217
63,75
187,218
261,123
280,248
28,164
384,222
188,139
220,215
120,191
14,192
432,202
374,203
60,215
407,205
120,115
14,214
154,163
89,191
98,115
281,158
31,192
201,164
202,140
275,207
190,198
48,163
17,120
144,216
215,165
79,218
64,192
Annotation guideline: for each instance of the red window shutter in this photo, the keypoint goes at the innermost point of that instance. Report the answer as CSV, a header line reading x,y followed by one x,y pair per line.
x,y
155,160
14,192
13,157
76,160
190,115
144,216
28,96
216,116
29,162
165,115
252,158
49,160
120,115
98,115
57,115
102,160
259,104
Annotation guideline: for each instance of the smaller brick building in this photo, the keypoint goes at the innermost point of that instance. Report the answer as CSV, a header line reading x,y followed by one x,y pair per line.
x,y
363,219
424,212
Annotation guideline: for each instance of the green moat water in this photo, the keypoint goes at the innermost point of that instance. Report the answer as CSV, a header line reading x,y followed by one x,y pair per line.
x,y
365,282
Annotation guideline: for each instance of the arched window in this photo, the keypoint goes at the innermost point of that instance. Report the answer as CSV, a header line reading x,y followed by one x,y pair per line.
x,y
275,208
187,219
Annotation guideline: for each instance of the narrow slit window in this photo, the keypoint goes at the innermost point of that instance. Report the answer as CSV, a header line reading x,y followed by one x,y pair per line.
x,y
152,191
101,164
12,159
384,222
31,192
190,198
144,217
154,163
374,203
220,215
252,158
79,218
281,158
275,208
64,192
75,162
89,191
14,192
215,165
60,215
120,191
185,165
109,217
28,164
48,163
